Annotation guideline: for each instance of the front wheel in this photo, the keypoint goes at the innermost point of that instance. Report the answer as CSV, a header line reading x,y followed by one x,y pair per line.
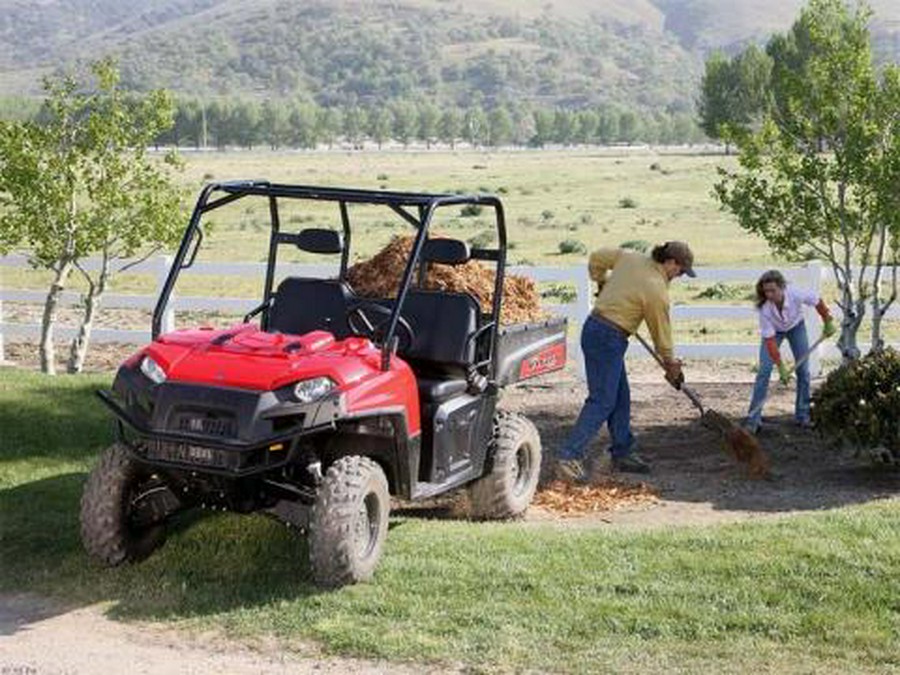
x,y
514,466
122,509
349,522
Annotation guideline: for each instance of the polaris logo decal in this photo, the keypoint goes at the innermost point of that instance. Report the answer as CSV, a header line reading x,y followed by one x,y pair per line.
x,y
546,360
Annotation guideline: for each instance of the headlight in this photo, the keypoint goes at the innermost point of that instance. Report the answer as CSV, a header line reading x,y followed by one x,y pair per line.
x,y
307,391
153,370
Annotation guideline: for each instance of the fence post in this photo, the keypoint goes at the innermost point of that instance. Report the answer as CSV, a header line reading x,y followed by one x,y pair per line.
x,y
164,263
815,270
582,309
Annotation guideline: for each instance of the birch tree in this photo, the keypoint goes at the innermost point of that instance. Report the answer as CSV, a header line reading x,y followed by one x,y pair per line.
x,y
78,182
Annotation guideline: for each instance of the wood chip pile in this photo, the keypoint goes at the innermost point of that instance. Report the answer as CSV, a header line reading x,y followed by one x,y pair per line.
x,y
568,500
380,277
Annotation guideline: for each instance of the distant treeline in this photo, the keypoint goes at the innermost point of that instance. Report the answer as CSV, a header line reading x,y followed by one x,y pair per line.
x,y
249,124
300,124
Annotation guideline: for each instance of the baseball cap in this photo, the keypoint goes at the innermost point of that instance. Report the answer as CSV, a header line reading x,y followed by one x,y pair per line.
x,y
681,253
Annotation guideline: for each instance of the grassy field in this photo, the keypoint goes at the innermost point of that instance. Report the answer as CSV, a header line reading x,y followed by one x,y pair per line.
x,y
549,196
805,594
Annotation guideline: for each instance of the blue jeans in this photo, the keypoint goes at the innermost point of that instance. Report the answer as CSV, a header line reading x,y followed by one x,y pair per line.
x,y
799,342
609,398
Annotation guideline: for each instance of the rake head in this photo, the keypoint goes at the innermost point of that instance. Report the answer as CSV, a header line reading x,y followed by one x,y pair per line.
x,y
739,443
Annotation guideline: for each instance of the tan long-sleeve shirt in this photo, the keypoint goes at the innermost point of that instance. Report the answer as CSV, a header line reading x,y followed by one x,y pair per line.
x,y
635,288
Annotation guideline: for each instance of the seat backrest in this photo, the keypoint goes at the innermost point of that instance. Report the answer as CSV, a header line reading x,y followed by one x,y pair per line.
x,y
302,305
442,323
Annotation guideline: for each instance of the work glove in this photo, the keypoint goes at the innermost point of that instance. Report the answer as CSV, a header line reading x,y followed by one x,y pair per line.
x,y
784,373
674,374
828,328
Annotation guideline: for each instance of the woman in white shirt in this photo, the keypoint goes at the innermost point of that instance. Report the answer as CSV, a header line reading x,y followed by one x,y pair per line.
x,y
781,316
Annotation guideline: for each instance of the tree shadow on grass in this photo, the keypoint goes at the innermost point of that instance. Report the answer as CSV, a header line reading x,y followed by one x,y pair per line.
x,y
62,419
210,563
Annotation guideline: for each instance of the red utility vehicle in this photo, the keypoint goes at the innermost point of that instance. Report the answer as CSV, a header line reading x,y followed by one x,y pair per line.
x,y
331,404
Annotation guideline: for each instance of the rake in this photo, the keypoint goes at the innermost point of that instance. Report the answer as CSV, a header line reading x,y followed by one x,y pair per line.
x,y
739,443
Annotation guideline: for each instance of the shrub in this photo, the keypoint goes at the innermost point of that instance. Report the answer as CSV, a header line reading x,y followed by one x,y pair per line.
x,y
572,246
628,203
382,176
471,210
720,291
638,245
561,292
859,405
547,214
481,239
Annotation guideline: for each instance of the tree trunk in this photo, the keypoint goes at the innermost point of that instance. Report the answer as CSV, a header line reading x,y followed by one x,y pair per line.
x,y
79,347
47,351
853,317
877,339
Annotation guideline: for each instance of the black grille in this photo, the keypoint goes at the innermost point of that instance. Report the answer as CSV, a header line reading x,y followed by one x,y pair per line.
x,y
206,424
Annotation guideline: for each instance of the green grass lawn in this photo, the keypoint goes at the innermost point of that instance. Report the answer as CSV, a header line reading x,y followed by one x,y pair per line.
x,y
807,594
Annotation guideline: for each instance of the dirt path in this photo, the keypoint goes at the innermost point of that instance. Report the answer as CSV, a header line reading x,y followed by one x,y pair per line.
x,y
39,637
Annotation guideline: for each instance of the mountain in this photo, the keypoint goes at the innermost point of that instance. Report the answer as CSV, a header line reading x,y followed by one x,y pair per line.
x,y
646,54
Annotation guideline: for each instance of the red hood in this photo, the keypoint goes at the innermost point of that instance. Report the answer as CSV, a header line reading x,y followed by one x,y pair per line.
x,y
245,357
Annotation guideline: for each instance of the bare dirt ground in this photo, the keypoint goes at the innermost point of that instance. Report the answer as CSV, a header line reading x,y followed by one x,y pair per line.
x,y
696,480
697,483
42,637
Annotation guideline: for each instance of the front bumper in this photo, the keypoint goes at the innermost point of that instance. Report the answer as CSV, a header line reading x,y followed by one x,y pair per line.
x,y
216,431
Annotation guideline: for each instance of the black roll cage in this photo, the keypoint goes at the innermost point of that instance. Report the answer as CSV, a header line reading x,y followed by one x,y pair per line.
x,y
423,204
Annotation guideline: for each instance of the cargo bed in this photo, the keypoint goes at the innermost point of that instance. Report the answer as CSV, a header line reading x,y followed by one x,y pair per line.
x,y
526,350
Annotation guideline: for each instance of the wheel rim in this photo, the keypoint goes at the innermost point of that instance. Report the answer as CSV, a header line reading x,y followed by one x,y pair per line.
x,y
522,475
142,488
366,526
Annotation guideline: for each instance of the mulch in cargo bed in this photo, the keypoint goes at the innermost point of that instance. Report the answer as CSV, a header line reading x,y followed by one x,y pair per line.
x,y
380,277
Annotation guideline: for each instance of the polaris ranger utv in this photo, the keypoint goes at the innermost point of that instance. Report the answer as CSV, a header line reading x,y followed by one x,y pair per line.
x,y
331,404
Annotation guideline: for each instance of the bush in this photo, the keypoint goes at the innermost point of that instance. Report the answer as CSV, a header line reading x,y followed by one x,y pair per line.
x,y
481,239
859,405
572,246
561,292
720,291
471,210
628,203
638,245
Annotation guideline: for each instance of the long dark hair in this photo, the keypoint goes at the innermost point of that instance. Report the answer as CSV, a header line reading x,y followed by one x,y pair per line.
x,y
772,276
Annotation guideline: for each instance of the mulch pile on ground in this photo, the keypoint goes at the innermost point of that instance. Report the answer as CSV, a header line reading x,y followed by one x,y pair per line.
x,y
380,277
567,499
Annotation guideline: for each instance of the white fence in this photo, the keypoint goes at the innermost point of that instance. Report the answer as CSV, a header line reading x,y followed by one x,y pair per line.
x,y
809,276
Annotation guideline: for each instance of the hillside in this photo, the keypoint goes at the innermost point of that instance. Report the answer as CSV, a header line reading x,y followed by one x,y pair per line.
x,y
571,53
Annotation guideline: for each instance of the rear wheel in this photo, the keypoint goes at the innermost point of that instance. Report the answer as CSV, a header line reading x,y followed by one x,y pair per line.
x,y
514,466
349,522
123,508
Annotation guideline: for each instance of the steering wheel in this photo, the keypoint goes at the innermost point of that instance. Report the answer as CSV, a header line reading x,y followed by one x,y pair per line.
x,y
375,331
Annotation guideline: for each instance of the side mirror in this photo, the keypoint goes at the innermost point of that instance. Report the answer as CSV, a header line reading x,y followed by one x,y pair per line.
x,y
446,251
319,240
